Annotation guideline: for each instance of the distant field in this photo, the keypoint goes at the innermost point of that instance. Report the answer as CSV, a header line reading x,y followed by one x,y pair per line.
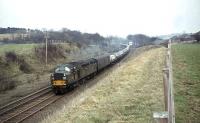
x,y
18,48
5,36
186,67
11,36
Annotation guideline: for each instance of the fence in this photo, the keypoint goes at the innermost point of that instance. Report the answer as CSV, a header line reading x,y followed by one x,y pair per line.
x,y
168,116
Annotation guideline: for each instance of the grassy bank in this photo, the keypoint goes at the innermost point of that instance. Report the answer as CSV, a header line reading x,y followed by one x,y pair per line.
x,y
24,63
18,48
186,67
130,93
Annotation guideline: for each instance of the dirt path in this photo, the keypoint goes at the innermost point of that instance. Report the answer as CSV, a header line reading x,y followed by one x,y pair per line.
x,y
129,92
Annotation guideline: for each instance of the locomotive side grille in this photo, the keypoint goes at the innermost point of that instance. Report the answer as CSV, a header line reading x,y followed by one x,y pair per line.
x,y
58,76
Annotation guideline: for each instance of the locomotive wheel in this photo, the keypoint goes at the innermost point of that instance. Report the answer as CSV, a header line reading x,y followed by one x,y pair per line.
x,y
62,91
59,91
82,81
56,91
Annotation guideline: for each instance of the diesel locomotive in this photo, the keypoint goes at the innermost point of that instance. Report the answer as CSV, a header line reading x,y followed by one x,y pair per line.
x,y
68,75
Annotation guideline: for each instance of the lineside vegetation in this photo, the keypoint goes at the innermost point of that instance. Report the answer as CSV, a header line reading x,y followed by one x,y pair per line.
x,y
130,93
20,61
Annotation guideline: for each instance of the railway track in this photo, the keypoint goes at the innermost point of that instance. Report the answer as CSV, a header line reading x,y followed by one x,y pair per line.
x,y
19,110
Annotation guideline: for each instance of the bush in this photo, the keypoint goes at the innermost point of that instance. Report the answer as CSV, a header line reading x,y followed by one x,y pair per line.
x,y
5,80
6,83
54,52
11,57
25,67
7,69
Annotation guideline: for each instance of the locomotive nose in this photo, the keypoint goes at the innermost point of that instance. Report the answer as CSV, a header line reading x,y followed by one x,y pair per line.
x,y
59,79
59,82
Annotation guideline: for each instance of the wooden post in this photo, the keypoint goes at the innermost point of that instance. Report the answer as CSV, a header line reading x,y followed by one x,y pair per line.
x,y
168,116
165,84
171,112
46,47
160,117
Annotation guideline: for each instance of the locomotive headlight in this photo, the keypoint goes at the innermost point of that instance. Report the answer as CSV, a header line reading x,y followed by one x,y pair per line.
x,y
52,77
64,78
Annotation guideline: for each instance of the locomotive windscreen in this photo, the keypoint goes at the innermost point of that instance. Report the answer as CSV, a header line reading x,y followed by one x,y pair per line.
x,y
62,69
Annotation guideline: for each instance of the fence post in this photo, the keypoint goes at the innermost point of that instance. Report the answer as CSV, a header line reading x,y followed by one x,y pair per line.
x,y
165,85
171,112
160,117
168,116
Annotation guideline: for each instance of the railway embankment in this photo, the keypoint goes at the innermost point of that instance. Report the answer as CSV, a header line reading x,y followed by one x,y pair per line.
x,y
129,93
23,69
23,72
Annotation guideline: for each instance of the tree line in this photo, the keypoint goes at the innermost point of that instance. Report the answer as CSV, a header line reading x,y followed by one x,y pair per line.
x,y
12,30
22,35
187,37
141,39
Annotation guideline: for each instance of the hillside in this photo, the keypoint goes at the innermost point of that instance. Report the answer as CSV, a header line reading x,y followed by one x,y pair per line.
x,y
129,93
23,67
186,67
23,71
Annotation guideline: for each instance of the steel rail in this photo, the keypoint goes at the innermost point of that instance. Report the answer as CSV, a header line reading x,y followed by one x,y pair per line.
x,y
13,105
23,112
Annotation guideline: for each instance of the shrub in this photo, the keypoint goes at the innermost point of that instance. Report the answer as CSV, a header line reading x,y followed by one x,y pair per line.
x,y
7,73
54,52
5,80
6,83
11,56
25,67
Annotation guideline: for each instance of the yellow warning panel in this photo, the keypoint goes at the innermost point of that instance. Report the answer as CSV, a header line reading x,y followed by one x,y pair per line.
x,y
59,82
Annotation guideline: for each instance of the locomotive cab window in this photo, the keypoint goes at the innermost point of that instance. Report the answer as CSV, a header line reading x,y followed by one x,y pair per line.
x,y
62,69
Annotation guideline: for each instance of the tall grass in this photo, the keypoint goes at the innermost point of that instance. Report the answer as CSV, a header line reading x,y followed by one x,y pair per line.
x,y
186,67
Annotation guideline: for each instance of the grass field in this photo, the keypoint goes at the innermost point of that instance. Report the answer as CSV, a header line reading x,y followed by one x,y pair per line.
x,y
129,94
18,48
186,67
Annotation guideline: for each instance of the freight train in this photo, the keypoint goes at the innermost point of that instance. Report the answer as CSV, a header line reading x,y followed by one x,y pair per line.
x,y
66,76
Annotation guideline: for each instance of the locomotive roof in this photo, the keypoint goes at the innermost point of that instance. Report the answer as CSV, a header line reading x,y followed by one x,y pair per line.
x,y
79,63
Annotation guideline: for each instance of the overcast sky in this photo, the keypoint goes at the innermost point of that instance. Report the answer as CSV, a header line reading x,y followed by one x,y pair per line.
x,y
107,17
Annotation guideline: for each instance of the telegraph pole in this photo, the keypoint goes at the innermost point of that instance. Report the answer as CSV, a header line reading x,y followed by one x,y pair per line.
x,y
46,47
